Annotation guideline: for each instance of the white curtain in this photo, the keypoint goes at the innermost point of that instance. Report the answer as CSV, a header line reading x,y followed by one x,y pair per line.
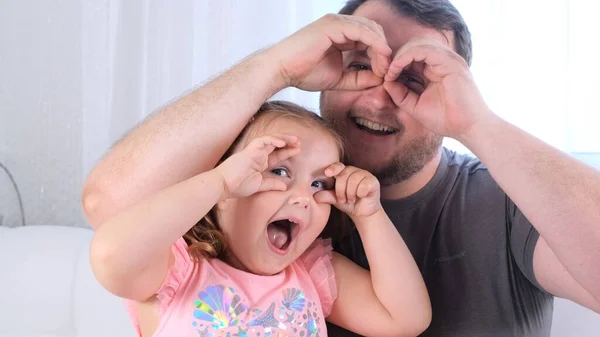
x,y
76,75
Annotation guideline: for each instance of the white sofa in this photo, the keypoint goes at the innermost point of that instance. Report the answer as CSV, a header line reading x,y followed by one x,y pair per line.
x,y
47,288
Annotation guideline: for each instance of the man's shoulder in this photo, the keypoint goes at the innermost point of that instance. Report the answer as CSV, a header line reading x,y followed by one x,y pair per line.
x,y
464,162
468,174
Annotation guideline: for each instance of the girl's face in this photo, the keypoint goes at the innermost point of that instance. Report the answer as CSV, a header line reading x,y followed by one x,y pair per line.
x,y
270,230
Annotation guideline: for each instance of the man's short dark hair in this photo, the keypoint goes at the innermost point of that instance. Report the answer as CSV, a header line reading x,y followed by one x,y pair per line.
x,y
437,14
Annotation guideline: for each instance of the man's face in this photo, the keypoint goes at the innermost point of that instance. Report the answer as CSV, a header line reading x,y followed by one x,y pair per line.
x,y
382,138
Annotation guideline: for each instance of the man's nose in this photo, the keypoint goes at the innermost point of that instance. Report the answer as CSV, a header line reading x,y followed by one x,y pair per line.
x,y
377,98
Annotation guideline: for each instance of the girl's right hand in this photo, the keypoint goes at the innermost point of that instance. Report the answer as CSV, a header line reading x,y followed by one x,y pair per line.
x,y
242,173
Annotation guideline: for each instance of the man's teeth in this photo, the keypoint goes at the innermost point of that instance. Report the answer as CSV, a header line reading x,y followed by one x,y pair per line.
x,y
373,126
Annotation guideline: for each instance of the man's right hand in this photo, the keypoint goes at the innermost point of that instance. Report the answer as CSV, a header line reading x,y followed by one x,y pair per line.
x,y
189,136
311,58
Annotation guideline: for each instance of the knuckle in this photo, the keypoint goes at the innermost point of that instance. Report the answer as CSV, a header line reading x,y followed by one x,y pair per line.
x,y
330,17
376,184
462,61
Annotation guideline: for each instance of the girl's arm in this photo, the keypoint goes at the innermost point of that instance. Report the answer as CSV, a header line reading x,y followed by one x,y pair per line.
x,y
131,253
391,299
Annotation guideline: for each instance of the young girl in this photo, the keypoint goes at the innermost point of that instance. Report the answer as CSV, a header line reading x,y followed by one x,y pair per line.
x,y
253,266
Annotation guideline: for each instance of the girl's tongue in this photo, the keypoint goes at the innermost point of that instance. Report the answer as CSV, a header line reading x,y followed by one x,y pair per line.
x,y
279,233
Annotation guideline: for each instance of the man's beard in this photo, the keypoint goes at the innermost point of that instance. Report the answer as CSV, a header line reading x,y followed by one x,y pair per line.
x,y
410,160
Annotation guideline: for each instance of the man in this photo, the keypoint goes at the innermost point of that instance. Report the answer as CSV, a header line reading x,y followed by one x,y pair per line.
x,y
494,242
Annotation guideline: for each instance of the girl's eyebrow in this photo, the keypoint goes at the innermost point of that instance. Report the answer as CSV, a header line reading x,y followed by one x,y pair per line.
x,y
321,173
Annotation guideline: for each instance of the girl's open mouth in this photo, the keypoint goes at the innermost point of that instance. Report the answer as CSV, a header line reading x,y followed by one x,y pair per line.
x,y
281,233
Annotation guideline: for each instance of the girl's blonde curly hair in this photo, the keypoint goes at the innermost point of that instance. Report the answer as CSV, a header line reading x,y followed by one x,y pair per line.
x,y
206,239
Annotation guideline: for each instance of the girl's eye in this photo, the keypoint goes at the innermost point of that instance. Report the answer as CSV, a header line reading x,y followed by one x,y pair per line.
x,y
323,185
280,172
357,66
319,184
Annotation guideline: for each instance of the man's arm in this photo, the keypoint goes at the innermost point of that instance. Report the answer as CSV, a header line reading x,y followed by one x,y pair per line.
x,y
189,136
559,195
555,279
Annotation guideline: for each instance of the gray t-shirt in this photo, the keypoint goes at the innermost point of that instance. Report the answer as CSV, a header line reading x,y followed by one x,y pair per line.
x,y
475,251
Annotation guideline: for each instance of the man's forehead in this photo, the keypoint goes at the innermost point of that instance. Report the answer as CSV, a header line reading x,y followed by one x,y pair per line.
x,y
398,29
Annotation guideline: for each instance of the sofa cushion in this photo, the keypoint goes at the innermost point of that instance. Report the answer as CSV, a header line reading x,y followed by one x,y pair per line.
x,y
47,287
97,312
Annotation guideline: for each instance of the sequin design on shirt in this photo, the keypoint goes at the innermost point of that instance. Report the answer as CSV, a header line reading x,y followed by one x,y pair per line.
x,y
220,306
293,299
220,311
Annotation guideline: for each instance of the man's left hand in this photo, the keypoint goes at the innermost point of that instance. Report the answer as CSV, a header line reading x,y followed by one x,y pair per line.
x,y
449,103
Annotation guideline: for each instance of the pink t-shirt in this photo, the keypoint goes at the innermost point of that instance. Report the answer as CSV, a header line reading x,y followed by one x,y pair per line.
x,y
211,298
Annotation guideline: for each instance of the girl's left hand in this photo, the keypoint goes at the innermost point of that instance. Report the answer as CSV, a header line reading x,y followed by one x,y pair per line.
x,y
356,191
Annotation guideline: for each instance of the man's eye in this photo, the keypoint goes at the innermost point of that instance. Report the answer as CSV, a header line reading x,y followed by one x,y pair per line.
x,y
358,66
280,171
413,83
